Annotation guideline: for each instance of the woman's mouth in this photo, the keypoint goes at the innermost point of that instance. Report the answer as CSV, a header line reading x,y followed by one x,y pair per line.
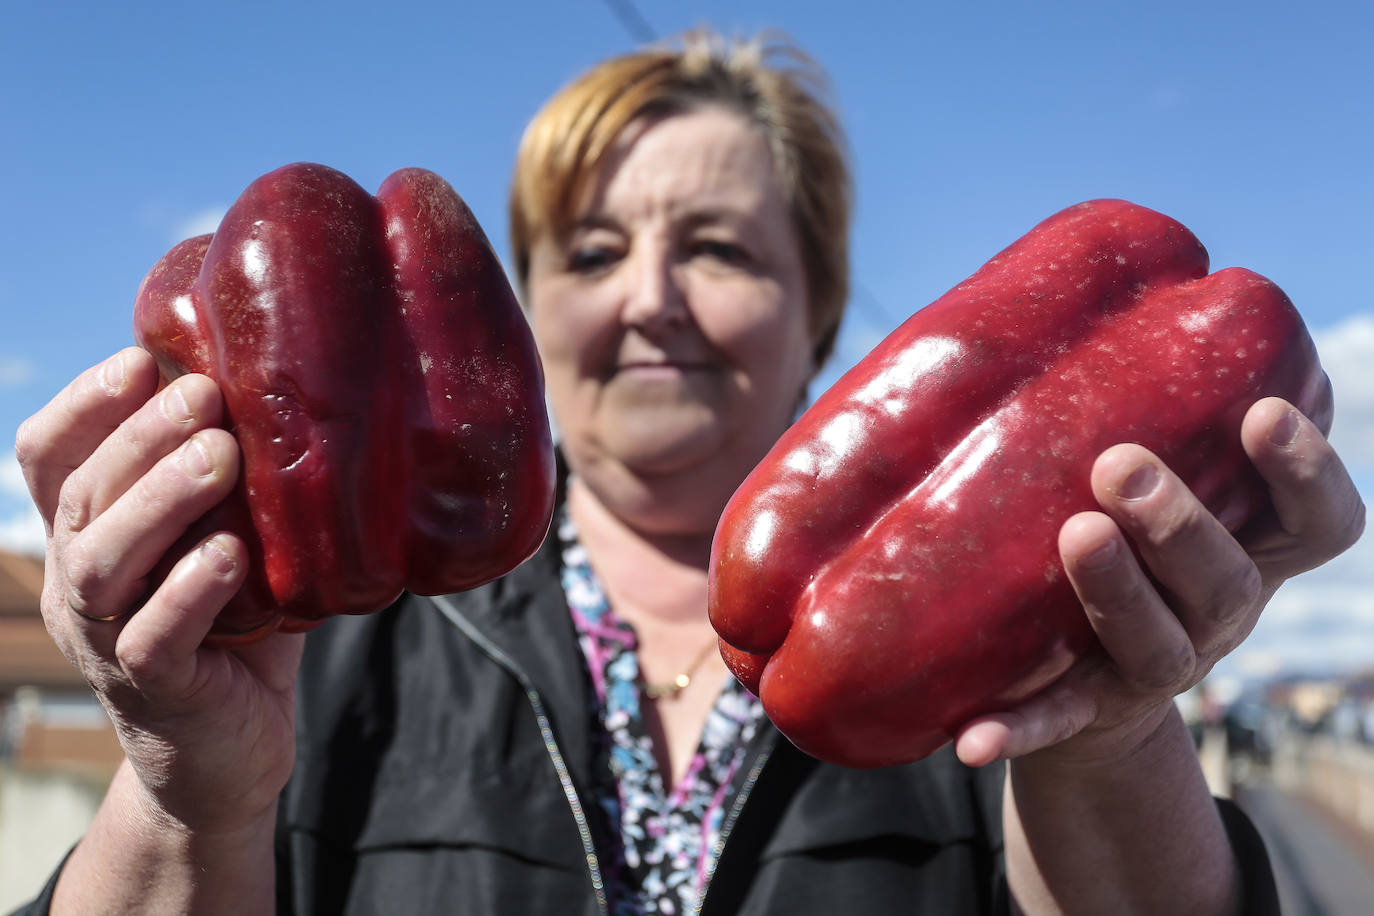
x,y
664,369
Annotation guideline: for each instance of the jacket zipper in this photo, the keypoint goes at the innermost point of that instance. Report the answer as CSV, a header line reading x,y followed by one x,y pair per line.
x,y
550,743
736,807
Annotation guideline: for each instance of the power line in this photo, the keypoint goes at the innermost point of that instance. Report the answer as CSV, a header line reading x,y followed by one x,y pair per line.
x,y
639,29
889,315
632,21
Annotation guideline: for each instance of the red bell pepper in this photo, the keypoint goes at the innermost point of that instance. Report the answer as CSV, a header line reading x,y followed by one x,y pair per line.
x,y
381,381
890,570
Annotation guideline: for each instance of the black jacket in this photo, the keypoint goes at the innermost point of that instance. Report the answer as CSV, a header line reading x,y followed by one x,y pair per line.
x,y
443,758
442,767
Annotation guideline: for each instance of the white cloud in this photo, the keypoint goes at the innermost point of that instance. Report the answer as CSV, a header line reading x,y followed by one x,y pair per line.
x,y
200,223
12,478
21,531
1347,352
21,527
15,371
1322,621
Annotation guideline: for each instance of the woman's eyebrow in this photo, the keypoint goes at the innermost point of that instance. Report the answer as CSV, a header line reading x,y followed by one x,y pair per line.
x,y
594,220
712,215
689,220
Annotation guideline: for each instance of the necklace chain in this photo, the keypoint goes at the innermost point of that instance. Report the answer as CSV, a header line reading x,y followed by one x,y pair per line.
x,y
668,690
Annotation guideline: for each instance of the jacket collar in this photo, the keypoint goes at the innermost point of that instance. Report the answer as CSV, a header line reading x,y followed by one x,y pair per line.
x,y
524,615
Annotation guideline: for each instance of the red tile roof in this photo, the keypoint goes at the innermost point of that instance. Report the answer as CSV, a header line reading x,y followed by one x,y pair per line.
x,y
28,656
21,582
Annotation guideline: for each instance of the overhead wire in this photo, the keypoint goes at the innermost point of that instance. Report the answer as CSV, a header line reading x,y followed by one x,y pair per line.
x,y
638,28
632,21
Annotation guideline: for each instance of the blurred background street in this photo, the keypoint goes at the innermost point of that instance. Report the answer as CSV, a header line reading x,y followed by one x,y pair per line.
x,y
1298,756
1295,752
132,126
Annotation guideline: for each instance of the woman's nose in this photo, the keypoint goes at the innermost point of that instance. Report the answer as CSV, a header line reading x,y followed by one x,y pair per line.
x,y
654,294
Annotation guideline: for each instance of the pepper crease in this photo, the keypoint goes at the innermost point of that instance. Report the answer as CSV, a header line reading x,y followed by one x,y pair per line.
x,y
890,570
382,384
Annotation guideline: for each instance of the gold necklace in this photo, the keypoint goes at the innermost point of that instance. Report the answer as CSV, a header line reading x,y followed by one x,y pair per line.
x,y
670,689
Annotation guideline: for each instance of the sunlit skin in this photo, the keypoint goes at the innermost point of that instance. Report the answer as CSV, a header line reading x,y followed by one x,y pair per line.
x,y
1105,809
673,326
672,320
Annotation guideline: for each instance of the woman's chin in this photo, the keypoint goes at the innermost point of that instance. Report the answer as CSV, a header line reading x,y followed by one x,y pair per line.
x,y
661,456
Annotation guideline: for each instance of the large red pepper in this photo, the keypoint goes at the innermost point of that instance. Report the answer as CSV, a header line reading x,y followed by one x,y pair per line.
x,y
381,381
890,570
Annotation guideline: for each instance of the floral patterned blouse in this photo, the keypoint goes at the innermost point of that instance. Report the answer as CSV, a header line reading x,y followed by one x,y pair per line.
x,y
666,843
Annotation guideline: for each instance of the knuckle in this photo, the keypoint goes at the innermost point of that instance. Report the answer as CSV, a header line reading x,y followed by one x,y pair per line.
x,y
1323,469
1136,592
58,604
73,506
154,493
1327,481
1121,600
1233,593
36,453
1180,524
1168,669
1353,528
31,446
139,663
54,616
135,438
87,579
1068,716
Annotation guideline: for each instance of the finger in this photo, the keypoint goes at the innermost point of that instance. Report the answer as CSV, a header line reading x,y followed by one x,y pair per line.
x,y
1065,719
1146,643
106,566
1212,585
1315,500
56,440
1055,714
157,648
159,427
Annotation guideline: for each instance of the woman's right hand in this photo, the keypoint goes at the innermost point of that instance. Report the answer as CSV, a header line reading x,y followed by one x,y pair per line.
x,y
118,471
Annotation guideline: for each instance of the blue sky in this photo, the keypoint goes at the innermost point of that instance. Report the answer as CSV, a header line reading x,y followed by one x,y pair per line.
x,y
128,128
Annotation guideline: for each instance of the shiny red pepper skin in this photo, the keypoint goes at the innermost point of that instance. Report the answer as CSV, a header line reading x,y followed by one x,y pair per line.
x,y
890,570
382,384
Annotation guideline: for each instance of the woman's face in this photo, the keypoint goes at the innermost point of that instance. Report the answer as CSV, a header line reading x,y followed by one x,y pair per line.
x,y
672,320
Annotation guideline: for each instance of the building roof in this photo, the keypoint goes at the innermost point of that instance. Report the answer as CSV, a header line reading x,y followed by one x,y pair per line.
x,y
28,656
21,582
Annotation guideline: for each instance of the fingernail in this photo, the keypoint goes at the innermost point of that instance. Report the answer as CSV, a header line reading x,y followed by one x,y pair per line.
x,y
1286,430
217,557
1100,557
1140,484
112,374
196,459
174,405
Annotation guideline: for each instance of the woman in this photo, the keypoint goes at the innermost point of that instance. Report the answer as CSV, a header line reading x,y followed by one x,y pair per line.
x,y
564,740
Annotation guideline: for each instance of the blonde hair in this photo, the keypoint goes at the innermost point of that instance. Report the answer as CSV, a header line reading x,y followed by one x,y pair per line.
x,y
565,141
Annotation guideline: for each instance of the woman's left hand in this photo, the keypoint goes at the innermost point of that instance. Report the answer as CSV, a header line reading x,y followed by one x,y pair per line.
x,y
1162,632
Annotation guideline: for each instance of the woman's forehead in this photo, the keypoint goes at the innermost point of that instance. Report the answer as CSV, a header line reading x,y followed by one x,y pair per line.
x,y
705,163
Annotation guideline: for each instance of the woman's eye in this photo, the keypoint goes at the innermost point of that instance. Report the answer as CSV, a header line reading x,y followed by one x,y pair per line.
x,y
590,258
725,252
